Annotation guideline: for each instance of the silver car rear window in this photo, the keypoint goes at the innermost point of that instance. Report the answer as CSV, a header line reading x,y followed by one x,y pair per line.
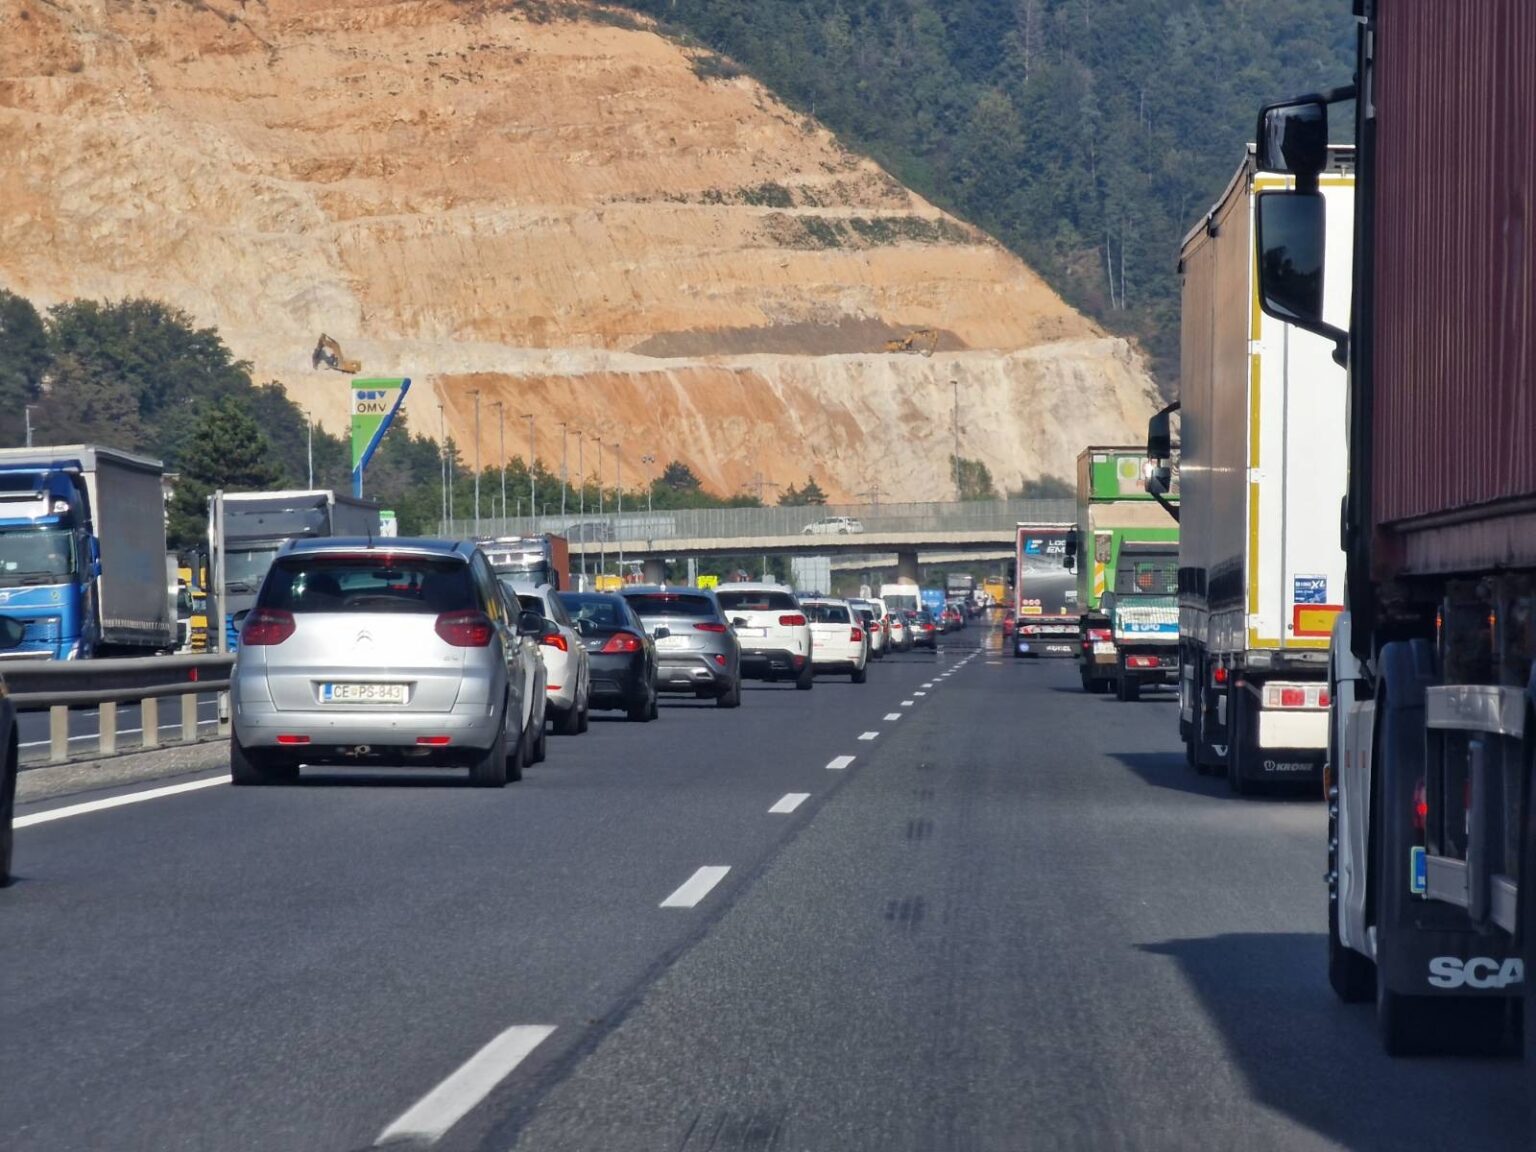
x,y
756,601
663,604
382,583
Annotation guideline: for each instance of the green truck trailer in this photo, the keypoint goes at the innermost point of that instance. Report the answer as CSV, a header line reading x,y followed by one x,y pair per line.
x,y
1126,556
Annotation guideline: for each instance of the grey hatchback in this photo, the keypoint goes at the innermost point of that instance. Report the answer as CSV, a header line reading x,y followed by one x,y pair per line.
x,y
383,651
696,649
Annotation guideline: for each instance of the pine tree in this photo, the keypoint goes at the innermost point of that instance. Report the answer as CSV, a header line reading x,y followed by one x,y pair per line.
x,y
229,452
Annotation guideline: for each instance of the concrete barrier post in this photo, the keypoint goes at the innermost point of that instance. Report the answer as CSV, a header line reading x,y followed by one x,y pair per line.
x,y
58,733
149,711
108,724
189,718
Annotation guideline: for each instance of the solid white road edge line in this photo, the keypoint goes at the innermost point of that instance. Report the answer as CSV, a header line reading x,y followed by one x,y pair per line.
x,y
837,764
869,735
789,802
893,715
697,886
444,1106
115,802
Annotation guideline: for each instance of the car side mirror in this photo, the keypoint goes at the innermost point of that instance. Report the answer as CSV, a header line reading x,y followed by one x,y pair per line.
x,y
661,633
530,623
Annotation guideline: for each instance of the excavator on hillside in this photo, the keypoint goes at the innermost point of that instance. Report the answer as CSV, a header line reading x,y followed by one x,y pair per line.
x,y
923,340
328,353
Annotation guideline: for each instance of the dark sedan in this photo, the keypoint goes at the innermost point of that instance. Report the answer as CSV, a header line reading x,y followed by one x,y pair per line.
x,y
622,656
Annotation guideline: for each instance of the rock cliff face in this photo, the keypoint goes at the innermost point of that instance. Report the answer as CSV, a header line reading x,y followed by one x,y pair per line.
x,y
547,202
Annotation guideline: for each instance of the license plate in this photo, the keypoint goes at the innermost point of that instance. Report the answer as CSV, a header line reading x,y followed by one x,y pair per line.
x,y
668,643
1103,648
362,693
751,631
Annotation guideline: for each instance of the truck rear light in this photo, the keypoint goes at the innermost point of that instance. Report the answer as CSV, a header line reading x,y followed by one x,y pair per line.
x,y
620,642
856,635
1285,696
289,740
1218,675
267,626
468,629
1141,661
1098,634
794,620
1324,699
710,626
1420,808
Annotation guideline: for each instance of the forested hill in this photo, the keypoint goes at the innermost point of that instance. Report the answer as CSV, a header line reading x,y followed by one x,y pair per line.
x,y
1085,134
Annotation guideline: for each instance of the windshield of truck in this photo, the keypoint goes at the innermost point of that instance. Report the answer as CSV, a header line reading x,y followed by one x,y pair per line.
x,y
36,555
244,571
1147,574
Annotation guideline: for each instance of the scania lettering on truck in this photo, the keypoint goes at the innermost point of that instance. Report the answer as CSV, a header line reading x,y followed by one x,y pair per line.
x,y
258,524
1044,592
1432,734
1261,461
82,553
1128,627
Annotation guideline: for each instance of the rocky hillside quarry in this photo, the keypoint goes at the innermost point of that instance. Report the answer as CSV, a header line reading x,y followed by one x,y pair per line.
x,y
549,203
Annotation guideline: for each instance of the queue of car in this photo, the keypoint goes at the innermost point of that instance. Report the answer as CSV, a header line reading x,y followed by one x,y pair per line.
x,y
378,651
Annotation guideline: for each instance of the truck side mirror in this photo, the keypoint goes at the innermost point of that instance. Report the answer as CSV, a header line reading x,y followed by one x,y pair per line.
x,y
1293,139
93,556
1291,238
1069,554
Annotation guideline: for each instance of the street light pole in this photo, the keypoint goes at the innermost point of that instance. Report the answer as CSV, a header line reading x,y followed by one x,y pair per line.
x,y
476,395
618,461
533,490
309,424
955,420
442,452
565,475
581,469
501,427
650,484
602,543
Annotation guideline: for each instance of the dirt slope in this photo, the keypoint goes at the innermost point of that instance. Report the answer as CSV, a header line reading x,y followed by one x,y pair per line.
x,y
545,202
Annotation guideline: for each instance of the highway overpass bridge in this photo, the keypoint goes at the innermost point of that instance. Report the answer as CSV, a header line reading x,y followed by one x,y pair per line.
x,y
910,533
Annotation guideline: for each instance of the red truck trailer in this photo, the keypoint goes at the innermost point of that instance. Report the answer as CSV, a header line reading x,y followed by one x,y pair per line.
x,y
1432,735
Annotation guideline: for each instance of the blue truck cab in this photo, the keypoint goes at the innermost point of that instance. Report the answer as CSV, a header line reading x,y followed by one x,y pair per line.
x,y
82,552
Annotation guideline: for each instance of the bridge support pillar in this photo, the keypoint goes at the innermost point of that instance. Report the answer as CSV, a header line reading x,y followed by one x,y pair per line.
x,y
653,570
906,567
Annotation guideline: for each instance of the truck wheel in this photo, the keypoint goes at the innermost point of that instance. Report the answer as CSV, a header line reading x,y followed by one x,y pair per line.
x,y
8,773
490,770
1127,688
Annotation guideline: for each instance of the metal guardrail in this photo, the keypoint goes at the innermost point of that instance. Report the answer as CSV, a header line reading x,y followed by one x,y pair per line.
x,y
725,523
56,687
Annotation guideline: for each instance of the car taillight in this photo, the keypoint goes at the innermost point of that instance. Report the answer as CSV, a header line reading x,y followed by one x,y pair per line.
x,y
554,640
793,620
856,635
621,642
710,627
465,629
1099,634
267,626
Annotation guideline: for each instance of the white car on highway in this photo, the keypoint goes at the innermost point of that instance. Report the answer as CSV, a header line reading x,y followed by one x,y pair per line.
x,y
833,526
839,642
880,630
566,664
774,635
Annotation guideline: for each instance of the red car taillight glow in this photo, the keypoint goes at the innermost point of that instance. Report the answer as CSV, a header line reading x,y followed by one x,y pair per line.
x,y
267,626
856,635
465,629
793,620
621,642
554,640
710,627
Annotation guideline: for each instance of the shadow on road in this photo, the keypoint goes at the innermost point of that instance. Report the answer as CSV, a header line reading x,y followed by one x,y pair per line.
x,y
1310,1057
1168,770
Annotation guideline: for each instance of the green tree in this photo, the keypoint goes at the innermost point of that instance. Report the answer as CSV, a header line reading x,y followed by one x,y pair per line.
x,y
24,361
973,479
1043,487
229,452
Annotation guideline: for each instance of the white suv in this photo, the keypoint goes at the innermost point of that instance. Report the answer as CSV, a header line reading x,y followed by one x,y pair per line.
x,y
774,635
833,526
568,677
841,643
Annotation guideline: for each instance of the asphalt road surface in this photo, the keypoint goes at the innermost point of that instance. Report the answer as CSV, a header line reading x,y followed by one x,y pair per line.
x,y
963,906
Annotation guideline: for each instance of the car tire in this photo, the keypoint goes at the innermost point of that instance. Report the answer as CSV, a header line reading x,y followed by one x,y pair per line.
x,y
8,773
586,714
568,723
860,674
806,680
639,710
493,768
539,748
247,768
655,713
515,758
731,697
